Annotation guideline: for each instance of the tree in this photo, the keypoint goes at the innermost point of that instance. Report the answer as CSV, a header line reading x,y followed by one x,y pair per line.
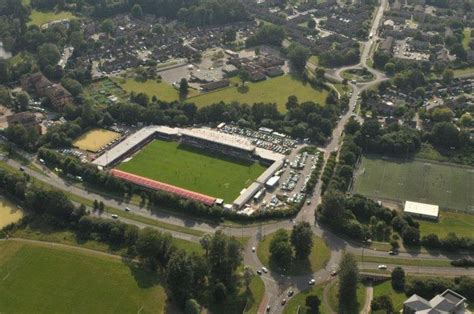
x,y
352,126
398,279
312,302
298,56
411,236
192,307
302,240
244,76
224,258
220,292
248,275
382,303
442,115
348,278
205,242
229,35
137,11
448,76
108,26
332,206
48,55
23,100
466,119
5,71
292,102
311,23
183,87
280,250
180,277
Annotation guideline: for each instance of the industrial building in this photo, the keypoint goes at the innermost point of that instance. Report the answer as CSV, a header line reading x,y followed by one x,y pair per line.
x,y
421,210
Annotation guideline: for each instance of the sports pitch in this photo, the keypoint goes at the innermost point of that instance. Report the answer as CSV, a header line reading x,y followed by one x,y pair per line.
x,y
193,169
448,186
93,140
39,279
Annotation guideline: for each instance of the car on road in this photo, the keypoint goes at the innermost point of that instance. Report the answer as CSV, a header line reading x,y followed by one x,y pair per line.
x,y
259,272
311,282
22,168
114,216
333,273
393,252
382,266
253,249
265,270
283,302
127,209
290,293
268,308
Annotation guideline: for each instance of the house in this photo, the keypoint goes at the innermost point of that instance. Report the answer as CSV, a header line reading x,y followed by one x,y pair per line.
x,y
35,83
387,45
58,96
27,119
448,302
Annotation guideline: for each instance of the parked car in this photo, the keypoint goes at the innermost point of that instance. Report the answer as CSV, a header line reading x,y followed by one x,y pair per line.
x,y
290,293
311,282
253,249
127,209
265,270
259,272
393,252
283,302
333,273
382,266
114,216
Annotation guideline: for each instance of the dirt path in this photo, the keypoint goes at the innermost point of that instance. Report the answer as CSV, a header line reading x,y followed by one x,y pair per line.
x,y
369,295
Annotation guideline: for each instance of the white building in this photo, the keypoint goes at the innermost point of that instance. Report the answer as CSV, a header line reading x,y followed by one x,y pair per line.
x,y
421,210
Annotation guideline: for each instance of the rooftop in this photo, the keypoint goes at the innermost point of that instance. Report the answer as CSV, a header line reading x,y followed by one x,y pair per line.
x,y
421,209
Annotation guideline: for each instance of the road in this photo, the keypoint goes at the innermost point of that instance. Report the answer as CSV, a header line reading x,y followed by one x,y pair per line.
x,y
276,285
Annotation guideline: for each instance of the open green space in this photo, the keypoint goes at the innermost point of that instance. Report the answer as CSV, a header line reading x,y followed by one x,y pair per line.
x,y
299,301
318,258
385,288
467,38
162,90
275,90
42,17
39,279
193,169
458,222
101,90
446,185
334,296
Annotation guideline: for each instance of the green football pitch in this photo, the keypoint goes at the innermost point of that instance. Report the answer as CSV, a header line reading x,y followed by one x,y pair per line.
x,y
193,169
40,279
446,185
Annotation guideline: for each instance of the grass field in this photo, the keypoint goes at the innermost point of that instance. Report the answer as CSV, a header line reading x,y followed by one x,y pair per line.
x,y
162,90
385,288
445,185
318,259
38,279
193,169
460,223
257,289
467,38
39,17
93,140
9,213
299,300
275,90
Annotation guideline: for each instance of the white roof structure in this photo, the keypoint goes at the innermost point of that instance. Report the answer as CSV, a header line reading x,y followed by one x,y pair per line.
x,y
421,209
219,137
270,171
246,195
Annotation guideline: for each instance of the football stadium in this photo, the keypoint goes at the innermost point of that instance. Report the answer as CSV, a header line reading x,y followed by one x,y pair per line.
x,y
199,164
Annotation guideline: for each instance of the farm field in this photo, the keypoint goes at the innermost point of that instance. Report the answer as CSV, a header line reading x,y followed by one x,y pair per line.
x,y
448,186
93,140
39,279
193,169
39,17
318,259
275,90
9,213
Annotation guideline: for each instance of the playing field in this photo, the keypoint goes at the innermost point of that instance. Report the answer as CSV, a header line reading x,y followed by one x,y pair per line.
x,y
448,186
9,213
39,17
275,90
193,169
95,139
39,279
